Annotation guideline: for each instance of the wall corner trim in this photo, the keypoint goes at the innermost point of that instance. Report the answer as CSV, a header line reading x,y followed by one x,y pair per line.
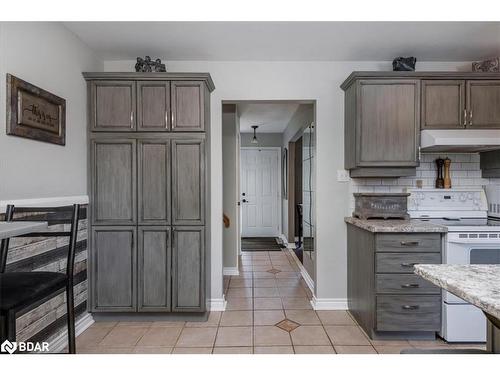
x,y
231,271
329,303
218,304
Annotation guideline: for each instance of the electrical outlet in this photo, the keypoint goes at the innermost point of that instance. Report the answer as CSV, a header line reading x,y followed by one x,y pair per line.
x,y
343,175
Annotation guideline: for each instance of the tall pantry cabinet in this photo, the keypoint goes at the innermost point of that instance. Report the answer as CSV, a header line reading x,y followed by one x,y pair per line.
x,y
149,137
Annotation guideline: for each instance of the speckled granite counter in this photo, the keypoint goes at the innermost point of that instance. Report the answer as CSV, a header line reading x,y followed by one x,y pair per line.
x,y
477,284
396,226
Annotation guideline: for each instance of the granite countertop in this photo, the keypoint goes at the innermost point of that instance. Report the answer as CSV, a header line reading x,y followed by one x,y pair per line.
x,y
478,284
396,226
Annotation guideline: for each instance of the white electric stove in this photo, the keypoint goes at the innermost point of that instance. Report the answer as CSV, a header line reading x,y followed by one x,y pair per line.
x,y
472,238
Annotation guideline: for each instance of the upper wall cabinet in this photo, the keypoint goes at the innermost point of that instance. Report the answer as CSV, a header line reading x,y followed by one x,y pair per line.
x,y
443,104
483,104
114,106
188,106
153,106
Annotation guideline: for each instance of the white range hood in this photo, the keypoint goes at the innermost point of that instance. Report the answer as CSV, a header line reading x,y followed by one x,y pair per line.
x,y
465,140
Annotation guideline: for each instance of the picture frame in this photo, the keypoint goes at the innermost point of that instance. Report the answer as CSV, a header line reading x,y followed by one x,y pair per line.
x,y
35,113
284,173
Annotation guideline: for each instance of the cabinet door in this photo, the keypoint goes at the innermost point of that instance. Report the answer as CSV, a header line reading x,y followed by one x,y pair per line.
x,y
153,106
113,168
443,104
154,181
188,110
113,106
188,182
154,264
188,271
388,124
483,104
114,276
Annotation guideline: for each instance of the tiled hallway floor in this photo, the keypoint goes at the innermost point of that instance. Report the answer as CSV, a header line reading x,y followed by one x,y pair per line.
x,y
268,311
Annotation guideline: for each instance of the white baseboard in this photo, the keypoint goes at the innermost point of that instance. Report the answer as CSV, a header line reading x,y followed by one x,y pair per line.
x,y
52,202
230,271
218,304
58,343
309,281
329,303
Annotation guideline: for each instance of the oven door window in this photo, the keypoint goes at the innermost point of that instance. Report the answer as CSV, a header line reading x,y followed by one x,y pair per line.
x,y
485,256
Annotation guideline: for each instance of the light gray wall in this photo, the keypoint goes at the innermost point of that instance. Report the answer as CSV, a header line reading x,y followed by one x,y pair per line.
x,y
230,167
299,121
299,80
47,55
265,139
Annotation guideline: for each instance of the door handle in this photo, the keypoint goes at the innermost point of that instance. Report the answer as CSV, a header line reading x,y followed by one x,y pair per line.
x,y
470,118
244,201
410,307
409,243
408,286
408,265
465,117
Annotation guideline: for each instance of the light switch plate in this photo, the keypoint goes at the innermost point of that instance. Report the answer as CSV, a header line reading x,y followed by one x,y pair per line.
x,y
343,175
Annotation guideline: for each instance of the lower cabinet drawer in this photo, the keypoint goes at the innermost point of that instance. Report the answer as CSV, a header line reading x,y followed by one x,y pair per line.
x,y
408,313
403,262
404,284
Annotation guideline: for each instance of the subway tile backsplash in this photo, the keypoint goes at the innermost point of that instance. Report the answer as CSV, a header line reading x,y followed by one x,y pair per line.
x,y
465,172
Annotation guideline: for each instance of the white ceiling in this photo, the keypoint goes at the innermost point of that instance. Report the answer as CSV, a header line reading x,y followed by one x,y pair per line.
x,y
270,117
294,41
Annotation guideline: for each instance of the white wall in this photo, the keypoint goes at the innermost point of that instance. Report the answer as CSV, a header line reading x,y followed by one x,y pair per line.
x,y
265,140
318,81
47,55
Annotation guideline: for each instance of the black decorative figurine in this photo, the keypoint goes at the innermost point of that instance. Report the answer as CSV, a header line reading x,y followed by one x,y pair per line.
x,y
147,65
404,64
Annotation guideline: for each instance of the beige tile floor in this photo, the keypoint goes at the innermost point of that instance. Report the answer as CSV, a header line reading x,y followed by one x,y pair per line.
x,y
267,312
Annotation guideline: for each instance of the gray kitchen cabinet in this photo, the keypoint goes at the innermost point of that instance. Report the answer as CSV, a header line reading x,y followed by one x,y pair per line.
x,y
154,269
113,181
114,261
384,295
483,104
443,104
382,125
113,106
148,149
188,106
188,271
188,181
153,106
153,187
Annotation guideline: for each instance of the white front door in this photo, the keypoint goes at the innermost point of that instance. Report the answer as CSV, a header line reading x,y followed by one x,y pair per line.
x,y
260,176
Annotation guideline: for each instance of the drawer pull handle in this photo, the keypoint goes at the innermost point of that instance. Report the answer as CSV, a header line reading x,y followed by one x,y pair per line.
x,y
410,307
408,265
409,286
409,243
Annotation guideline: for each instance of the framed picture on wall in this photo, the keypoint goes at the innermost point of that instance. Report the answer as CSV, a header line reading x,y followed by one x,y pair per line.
x,y
35,113
284,173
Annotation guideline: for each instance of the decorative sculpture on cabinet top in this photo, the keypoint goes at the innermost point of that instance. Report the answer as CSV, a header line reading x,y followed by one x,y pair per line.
x,y
147,65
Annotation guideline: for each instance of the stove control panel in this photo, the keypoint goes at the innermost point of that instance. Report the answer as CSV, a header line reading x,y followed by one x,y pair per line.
x,y
448,200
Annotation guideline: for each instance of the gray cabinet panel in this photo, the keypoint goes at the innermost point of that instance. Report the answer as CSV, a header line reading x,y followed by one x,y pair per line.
x,y
188,273
483,104
113,107
154,181
388,125
188,181
443,104
114,260
416,242
404,284
153,106
113,166
154,264
404,262
188,102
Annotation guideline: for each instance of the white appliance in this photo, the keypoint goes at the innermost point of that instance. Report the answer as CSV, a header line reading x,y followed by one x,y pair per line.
x,y
472,238
461,140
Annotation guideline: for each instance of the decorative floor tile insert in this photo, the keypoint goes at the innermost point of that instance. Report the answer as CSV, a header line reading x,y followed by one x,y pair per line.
x,y
273,271
287,325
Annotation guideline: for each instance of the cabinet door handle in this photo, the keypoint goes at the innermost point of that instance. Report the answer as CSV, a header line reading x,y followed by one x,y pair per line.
x,y
419,153
408,265
172,118
131,119
410,286
410,307
465,117
470,118
166,119
409,243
